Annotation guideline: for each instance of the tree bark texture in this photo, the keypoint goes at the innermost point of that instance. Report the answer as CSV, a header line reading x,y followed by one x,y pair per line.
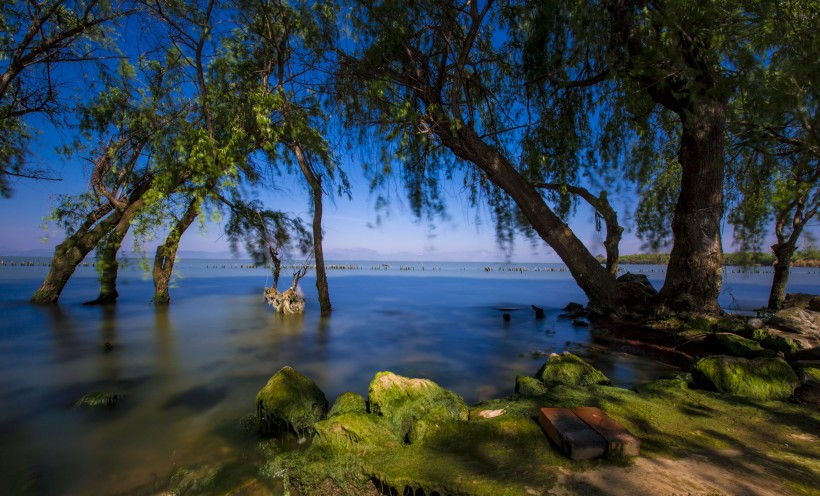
x,y
166,254
783,259
108,265
315,183
695,272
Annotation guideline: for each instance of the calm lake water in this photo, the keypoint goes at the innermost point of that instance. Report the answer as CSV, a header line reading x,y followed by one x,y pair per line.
x,y
188,372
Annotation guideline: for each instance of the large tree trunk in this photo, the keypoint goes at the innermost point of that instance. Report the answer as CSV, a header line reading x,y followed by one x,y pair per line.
x,y
108,266
167,252
695,272
599,285
783,260
315,183
72,251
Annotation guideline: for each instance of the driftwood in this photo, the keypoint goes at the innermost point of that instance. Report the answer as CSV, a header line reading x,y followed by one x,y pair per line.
x,y
291,301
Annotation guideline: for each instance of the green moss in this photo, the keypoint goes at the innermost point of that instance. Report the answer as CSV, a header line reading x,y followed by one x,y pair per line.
x,y
348,430
809,374
761,378
742,347
348,403
776,342
99,399
569,369
290,401
402,401
529,386
731,323
509,454
703,323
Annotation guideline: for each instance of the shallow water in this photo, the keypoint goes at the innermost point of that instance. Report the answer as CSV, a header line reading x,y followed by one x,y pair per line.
x,y
188,372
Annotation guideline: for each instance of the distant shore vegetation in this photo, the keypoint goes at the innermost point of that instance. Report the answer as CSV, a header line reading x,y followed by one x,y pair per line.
x,y
805,258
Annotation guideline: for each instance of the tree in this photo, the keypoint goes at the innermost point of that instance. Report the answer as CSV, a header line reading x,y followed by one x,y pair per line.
x,y
129,127
38,41
775,145
436,77
287,45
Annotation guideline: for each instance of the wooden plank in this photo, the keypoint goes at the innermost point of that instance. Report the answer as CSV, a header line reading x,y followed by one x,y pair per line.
x,y
619,440
571,434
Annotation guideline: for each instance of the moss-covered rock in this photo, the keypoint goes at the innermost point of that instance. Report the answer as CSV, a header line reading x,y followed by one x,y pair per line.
x,y
732,323
99,399
402,401
529,386
352,429
571,370
290,401
776,340
735,345
760,378
348,403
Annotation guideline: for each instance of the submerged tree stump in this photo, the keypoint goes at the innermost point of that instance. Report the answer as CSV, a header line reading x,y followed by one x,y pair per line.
x,y
288,302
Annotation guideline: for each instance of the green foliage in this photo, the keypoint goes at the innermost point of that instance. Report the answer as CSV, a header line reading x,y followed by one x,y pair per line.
x,y
265,233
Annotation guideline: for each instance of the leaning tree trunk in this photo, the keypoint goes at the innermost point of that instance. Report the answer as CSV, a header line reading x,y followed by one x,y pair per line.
x,y
695,272
108,265
599,285
783,260
315,183
72,251
167,252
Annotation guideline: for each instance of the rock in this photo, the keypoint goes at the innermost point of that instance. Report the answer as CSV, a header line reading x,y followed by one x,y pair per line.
x,y
759,378
570,370
808,393
732,344
352,429
755,323
785,342
580,323
403,401
529,386
290,401
802,300
348,403
539,312
506,317
637,280
99,399
805,322
573,311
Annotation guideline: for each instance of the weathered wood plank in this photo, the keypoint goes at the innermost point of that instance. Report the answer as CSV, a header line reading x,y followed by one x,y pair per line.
x,y
619,440
571,434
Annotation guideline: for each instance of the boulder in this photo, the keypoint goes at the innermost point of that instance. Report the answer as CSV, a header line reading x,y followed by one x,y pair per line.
x,y
348,403
353,429
808,393
569,370
573,311
782,341
403,401
735,345
802,300
759,378
290,401
798,320
529,386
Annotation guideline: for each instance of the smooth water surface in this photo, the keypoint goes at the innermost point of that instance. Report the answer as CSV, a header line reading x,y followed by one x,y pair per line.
x,y
189,371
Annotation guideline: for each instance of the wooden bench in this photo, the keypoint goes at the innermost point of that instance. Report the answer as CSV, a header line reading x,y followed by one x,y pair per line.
x,y
587,432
